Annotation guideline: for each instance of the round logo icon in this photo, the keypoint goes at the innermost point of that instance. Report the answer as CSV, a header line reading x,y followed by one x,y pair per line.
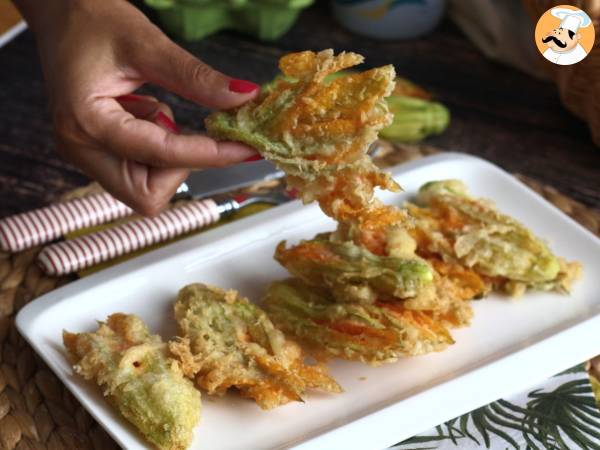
x,y
564,35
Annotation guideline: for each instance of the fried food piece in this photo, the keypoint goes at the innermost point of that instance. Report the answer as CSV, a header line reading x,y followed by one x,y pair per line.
x,y
382,230
319,131
354,274
139,379
372,333
229,342
455,287
458,228
569,273
348,273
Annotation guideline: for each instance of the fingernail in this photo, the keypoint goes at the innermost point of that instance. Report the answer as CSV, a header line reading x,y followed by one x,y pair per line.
x,y
293,192
130,98
165,121
242,86
256,157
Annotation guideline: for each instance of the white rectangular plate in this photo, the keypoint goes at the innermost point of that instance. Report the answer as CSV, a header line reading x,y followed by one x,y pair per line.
x,y
510,345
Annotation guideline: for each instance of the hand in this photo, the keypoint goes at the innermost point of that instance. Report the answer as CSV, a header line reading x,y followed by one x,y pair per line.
x,y
95,53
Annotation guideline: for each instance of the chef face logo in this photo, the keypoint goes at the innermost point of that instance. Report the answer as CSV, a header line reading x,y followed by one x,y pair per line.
x,y
561,40
564,35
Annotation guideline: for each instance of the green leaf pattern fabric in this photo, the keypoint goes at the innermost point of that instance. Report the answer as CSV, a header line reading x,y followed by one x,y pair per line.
x,y
560,414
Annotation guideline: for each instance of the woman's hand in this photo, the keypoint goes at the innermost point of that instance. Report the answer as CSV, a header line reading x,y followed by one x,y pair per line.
x,y
94,54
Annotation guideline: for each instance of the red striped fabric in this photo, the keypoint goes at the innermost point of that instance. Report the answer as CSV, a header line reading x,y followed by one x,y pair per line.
x,y
29,229
83,252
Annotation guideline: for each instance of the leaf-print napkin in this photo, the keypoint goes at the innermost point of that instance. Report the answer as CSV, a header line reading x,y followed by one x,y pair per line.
x,y
561,413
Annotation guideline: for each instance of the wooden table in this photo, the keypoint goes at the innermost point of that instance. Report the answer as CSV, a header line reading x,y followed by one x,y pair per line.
x,y
497,112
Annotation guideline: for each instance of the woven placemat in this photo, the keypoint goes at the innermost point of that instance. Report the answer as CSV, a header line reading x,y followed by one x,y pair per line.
x,y
37,411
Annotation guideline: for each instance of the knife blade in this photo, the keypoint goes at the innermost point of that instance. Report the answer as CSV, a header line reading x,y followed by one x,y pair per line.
x,y
209,182
22,231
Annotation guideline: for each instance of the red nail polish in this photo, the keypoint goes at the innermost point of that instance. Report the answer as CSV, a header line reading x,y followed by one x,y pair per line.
x,y
242,86
256,157
293,192
130,98
240,198
165,121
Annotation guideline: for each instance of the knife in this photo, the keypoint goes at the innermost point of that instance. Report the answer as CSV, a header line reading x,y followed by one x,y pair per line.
x,y
26,230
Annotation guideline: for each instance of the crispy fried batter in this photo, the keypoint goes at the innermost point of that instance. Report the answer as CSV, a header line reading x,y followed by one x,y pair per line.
x,y
229,342
319,132
139,378
353,274
471,233
373,333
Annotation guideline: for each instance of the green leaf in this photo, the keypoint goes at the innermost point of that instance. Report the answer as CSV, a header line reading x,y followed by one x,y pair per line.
x,y
565,411
464,427
451,429
480,423
555,420
497,407
576,369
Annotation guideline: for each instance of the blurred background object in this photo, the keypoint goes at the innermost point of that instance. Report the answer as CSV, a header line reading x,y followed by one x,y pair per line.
x,y
11,23
414,119
579,84
389,19
192,20
501,30
504,32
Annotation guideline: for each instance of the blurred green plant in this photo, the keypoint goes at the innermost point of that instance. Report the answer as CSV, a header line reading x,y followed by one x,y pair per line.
x,y
414,119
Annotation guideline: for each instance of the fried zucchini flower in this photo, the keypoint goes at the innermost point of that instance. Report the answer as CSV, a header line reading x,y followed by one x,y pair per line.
x,y
372,333
229,342
139,379
319,131
457,227
354,274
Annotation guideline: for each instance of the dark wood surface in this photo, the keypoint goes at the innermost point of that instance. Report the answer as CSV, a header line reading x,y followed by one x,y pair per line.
x,y
497,112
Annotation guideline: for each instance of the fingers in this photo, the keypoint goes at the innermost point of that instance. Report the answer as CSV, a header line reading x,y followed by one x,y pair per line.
x,y
146,189
150,109
140,162
152,188
128,137
144,106
175,69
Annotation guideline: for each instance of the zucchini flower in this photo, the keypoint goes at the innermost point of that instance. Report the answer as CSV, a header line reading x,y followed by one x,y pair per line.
x,y
139,378
227,341
457,227
354,274
319,132
374,333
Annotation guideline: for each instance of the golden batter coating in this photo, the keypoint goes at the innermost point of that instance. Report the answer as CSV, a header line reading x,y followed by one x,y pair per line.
x,y
373,333
317,131
139,378
229,342
457,228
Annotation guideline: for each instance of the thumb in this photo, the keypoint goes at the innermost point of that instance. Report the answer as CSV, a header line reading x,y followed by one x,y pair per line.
x,y
180,72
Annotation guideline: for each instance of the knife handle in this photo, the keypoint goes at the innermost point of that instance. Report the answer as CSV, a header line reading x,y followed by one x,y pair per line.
x,y
88,250
39,226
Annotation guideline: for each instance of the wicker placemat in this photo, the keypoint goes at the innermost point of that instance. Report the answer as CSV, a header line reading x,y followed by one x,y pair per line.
x,y
37,411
